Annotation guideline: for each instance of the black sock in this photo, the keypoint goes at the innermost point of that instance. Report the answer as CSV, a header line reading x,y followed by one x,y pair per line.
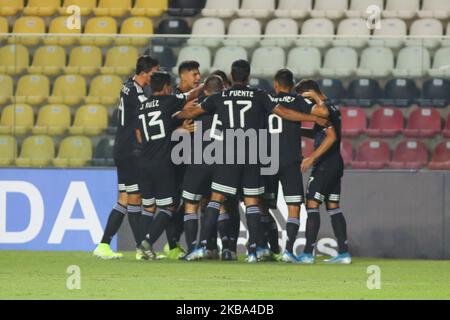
x,y
145,223
114,222
235,226
212,241
273,236
212,214
179,223
253,216
292,227
265,228
190,230
134,217
312,229
202,237
339,228
160,222
223,225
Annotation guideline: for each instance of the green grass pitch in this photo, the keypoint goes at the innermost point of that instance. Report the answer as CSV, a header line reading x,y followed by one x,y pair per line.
x,y
43,275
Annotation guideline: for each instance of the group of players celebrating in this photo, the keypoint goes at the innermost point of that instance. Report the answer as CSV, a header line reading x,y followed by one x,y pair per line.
x,y
161,195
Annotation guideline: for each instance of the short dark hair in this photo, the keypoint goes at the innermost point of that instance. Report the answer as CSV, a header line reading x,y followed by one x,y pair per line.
x,y
240,71
307,85
213,84
145,64
159,80
285,78
223,76
188,65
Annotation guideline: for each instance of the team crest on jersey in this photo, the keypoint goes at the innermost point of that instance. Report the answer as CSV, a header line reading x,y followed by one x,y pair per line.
x,y
125,90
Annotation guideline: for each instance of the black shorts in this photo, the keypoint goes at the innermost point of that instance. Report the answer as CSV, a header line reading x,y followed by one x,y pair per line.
x,y
128,174
324,184
228,178
197,182
291,180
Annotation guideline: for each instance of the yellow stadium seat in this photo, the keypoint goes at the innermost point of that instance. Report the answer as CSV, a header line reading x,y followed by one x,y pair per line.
x,y
8,150
6,88
37,151
59,26
116,8
28,25
41,7
32,89
149,8
17,119
90,120
14,59
120,60
104,90
135,26
49,60
85,60
10,7
86,6
53,119
68,89
74,152
99,25
3,28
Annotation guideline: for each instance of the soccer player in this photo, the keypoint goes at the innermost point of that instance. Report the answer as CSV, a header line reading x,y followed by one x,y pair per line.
x,y
325,180
125,149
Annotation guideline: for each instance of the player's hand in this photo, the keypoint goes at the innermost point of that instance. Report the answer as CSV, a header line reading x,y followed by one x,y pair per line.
x,y
306,164
189,125
323,122
311,95
191,104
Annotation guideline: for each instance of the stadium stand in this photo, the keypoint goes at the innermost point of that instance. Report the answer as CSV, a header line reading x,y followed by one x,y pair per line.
x,y
372,154
96,26
149,8
441,63
400,93
6,89
423,123
116,8
104,89
354,122
120,60
41,7
36,151
185,8
74,151
16,119
329,9
200,54
11,7
412,62
422,28
226,55
358,8
276,29
352,27
438,9
30,25
172,26
48,60
103,154
259,9
295,9
32,89
446,132
259,65
208,26
220,9
59,26
362,92
90,120
135,26
244,26
8,150
304,61
52,120
385,122
316,27
440,160
435,92
68,89
86,6
404,9
347,152
340,62
84,60
409,154
391,33
376,62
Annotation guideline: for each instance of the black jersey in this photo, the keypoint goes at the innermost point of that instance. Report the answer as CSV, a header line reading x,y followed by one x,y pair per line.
x,y
131,97
156,124
203,122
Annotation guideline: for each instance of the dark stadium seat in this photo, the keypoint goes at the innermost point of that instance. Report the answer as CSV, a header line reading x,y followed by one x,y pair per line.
x,y
440,160
307,147
400,93
113,122
354,121
185,8
333,89
385,122
423,123
172,26
263,84
446,132
347,152
409,154
164,55
362,92
103,155
372,154
435,93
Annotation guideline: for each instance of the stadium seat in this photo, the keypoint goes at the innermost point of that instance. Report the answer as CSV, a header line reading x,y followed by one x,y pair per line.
x,y
3,28
74,152
316,27
244,26
441,63
295,9
172,26
409,154
116,8
350,27
354,121
113,121
200,54
17,119
385,122
362,92
376,62
14,59
446,132
276,29
185,8
48,60
259,65
99,25
220,8
135,26
412,62
120,60
333,89
36,151
340,62
225,57
304,61
346,152
435,92
8,150
403,9
28,25
358,8
372,154
68,89
400,93
446,42
391,34
59,26
41,7
212,27
10,7
259,9
149,8
329,9
262,84
52,119
104,90
103,154
84,60
86,6
32,89
440,160
90,120
423,123
427,33
307,147
438,9
164,55
6,89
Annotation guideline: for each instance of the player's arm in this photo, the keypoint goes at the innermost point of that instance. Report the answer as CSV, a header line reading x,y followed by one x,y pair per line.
x,y
292,115
138,135
330,139
190,111
194,93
